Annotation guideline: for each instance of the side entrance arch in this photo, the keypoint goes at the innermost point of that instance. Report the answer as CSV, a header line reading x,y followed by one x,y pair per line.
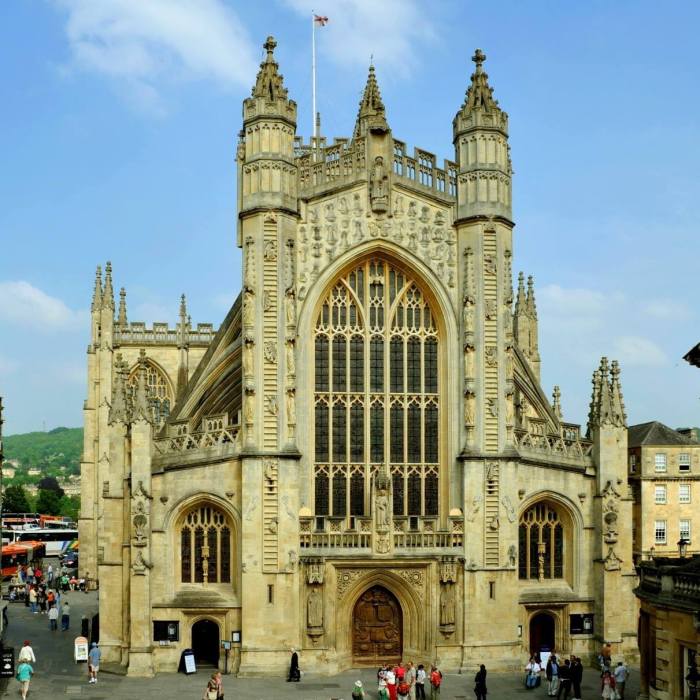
x,y
377,628
542,632
205,642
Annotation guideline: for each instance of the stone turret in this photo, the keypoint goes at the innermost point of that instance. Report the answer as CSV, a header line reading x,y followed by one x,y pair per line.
x,y
122,321
371,116
534,356
267,172
96,307
480,136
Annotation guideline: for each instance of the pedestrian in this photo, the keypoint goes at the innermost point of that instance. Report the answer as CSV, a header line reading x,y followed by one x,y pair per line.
x,y
50,599
53,618
576,676
94,663
294,672
607,686
49,575
219,685
403,690
357,692
65,616
480,683
382,692
532,673
64,582
26,653
420,682
411,680
435,682
390,678
33,598
41,597
621,674
552,673
24,676
564,680
210,692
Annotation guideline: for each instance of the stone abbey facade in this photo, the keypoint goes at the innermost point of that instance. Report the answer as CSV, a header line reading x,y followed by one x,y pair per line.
x,y
361,462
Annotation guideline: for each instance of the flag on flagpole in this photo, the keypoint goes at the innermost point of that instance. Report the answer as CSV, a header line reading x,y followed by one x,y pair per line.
x,y
320,20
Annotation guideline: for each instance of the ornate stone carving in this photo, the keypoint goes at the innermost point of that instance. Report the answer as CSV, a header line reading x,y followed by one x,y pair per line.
x,y
140,565
414,577
491,355
509,509
379,187
474,508
512,555
248,311
270,251
314,608
489,265
272,405
289,356
290,308
249,264
490,310
448,570
492,407
345,578
140,524
447,608
314,570
266,300
270,351
289,266
612,562
291,413
610,498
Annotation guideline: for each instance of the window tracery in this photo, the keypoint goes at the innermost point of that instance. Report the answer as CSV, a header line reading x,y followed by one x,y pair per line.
x,y
205,546
159,390
376,393
541,543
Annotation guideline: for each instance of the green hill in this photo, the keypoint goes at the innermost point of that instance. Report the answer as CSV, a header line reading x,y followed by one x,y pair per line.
x,y
56,453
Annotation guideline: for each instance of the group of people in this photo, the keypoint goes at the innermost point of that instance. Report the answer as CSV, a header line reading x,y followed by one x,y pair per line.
x,y
33,575
564,677
49,602
405,681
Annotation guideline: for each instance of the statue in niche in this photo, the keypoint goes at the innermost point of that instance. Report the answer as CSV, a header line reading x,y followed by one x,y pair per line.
x,y
469,409
314,609
356,204
468,314
248,312
249,408
270,351
343,205
447,605
272,406
490,309
290,308
270,252
330,211
357,236
291,366
382,509
493,407
291,408
379,193
512,553
248,357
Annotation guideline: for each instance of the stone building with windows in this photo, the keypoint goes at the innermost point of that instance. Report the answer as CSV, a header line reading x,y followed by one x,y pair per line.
x,y
361,463
664,475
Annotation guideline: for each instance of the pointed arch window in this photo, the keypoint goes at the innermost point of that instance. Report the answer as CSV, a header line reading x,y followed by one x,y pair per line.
x,y
205,546
159,390
541,543
376,397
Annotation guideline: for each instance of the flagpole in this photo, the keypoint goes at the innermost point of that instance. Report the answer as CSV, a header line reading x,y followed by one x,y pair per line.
x,y
313,75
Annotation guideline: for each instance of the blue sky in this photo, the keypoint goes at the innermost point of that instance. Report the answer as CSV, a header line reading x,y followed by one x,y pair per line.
x,y
118,131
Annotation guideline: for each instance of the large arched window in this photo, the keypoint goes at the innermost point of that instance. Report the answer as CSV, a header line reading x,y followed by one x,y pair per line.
x,y
159,388
376,393
205,546
541,543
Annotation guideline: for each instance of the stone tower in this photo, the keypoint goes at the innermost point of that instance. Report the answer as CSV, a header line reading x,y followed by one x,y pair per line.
x,y
268,213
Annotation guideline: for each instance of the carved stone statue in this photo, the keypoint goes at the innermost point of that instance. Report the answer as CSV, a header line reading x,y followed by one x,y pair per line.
x,y
290,308
447,605
291,365
248,312
314,609
379,194
469,409
382,510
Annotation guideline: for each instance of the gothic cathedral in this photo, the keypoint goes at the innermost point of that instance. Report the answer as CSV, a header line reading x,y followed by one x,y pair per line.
x,y
361,462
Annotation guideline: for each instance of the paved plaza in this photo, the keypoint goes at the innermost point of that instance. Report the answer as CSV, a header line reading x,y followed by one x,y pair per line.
x,y
58,676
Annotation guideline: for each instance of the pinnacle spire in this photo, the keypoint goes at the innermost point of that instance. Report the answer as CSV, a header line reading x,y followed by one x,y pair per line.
x,y
141,406
556,402
604,399
618,404
183,309
531,306
121,317
371,115
97,293
119,410
521,300
269,82
479,93
108,293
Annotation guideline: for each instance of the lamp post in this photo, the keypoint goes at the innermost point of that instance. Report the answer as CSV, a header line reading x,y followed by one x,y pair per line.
x,y
682,547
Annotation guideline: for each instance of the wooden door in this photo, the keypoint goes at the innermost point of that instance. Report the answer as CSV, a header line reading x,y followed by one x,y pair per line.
x,y
376,628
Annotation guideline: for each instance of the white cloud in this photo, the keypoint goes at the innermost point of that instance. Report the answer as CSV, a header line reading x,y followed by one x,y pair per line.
x,y
668,310
357,29
141,42
25,305
636,351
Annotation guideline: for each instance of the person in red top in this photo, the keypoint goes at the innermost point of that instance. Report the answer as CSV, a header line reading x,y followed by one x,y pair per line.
x,y
38,574
400,672
435,681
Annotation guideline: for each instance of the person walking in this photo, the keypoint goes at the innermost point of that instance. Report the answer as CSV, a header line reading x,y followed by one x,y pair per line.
x,y
621,674
576,676
420,682
33,599
358,692
49,575
411,680
435,682
94,662
24,676
65,616
53,618
26,653
294,673
480,683
552,673
564,680
607,686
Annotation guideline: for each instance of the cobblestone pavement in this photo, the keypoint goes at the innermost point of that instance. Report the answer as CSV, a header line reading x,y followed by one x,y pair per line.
x,y
58,676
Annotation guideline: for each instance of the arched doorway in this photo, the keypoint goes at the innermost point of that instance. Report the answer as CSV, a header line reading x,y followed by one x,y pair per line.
x,y
377,628
205,642
542,636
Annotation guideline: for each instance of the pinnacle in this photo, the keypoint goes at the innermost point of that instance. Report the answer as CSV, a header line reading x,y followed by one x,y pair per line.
x,y
268,83
97,293
372,113
121,318
108,293
480,94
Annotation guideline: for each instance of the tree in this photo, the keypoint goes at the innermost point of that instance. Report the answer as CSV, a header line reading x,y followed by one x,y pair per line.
x,y
49,483
16,500
70,506
48,502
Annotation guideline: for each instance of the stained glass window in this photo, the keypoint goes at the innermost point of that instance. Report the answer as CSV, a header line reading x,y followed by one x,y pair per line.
x,y
376,392
205,546
541,543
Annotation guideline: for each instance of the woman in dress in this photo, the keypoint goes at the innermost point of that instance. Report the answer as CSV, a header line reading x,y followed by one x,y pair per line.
x,y
607,685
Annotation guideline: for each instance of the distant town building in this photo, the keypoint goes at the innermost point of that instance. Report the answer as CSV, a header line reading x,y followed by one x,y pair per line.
x,y
664,474
33,471
8,472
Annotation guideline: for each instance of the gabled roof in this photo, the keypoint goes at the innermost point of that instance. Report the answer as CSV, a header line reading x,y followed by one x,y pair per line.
x,y
655,433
